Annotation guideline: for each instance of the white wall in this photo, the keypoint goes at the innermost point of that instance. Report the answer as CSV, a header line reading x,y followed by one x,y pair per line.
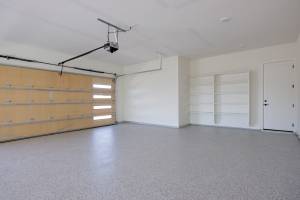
x,y
184,93
298,85
161,97
36,53
152,97
251,60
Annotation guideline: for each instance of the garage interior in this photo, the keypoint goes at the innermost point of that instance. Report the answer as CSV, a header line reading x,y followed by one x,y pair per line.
x,y
156,99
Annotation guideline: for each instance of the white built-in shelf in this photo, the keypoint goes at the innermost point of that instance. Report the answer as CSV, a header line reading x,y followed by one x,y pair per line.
x,y
227,95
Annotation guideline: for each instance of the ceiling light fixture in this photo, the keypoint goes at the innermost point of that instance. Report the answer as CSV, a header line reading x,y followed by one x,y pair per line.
x,y
225,19
242,46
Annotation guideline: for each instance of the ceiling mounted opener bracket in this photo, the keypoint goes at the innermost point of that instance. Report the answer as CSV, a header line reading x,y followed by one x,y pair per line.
x,y
109,46
113,46
61,69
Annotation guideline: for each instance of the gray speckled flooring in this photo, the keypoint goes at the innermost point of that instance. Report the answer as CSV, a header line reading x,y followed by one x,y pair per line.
x,y
138,162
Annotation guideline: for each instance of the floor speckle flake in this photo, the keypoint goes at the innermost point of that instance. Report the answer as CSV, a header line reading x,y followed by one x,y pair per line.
x,y
141,162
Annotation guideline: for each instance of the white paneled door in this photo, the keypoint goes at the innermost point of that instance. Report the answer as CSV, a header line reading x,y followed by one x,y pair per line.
x,y
278,102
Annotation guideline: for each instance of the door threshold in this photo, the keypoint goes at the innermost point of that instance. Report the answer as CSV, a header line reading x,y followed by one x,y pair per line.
x,y
277,131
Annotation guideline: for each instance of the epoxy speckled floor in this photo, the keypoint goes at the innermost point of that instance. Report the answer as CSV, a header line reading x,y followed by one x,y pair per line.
x,y
138,162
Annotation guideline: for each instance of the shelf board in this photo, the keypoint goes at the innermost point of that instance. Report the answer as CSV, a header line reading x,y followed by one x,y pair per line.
x,y
202,84
231,113
232,83
210,103
201,112
201,103
231,93
233,104
201,77
201,93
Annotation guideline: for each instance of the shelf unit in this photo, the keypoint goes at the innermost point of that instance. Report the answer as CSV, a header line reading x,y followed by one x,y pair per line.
x,y
220,99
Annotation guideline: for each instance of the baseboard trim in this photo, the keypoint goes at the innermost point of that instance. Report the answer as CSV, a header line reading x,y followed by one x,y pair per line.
x,y
186,125
204,125
151,124
217,126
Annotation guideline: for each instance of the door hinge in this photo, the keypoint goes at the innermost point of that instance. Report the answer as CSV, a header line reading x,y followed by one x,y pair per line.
x,y
293,105
293,66
293,125
293,85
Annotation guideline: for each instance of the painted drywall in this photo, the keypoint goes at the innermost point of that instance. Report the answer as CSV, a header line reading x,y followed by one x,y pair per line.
x,y
189,27
183,87
298,83
37,53
119,99
151,97
251,60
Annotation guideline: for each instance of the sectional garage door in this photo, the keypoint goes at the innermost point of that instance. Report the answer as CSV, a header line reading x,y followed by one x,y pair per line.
x,y
38,102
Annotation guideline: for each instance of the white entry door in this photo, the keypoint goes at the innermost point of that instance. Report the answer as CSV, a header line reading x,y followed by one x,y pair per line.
x,y
279,96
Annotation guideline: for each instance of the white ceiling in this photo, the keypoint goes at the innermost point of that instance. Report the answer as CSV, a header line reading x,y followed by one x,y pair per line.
x,y
173,27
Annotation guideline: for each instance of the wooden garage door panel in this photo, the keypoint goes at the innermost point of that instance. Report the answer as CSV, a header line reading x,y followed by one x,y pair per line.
x,y
102,112
31,96
103,91
37,102
31,130
71,97
20,114
23,96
